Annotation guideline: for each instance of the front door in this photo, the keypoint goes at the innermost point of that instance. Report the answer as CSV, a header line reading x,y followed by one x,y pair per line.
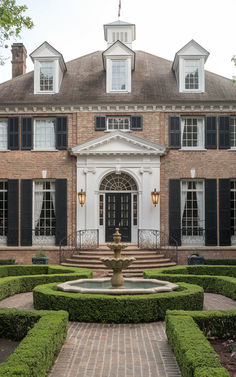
x,y
118,215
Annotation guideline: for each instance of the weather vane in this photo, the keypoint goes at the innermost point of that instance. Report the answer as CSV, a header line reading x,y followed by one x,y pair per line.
x,y
119,8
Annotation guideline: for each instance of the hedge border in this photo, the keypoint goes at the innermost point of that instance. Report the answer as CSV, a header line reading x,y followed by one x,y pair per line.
x,y
23,278
221,262
223,283
186,332
118,309
35,353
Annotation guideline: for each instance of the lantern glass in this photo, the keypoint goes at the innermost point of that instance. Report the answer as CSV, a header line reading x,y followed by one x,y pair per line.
x,y
155,197
82,197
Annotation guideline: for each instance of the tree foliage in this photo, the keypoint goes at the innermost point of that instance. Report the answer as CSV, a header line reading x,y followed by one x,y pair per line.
x,y
12,21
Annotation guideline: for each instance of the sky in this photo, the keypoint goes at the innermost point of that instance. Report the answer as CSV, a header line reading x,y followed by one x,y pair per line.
x,y
75,28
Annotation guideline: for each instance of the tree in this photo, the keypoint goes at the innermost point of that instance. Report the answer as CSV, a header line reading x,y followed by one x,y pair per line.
x,y
12,21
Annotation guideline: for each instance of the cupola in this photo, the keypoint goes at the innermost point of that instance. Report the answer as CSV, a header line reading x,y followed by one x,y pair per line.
x,y
120,30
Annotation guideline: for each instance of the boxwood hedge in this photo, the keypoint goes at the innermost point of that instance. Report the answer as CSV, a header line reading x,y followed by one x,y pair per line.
x,y
42,335
214,279
195,356
118,309
221,262
20,278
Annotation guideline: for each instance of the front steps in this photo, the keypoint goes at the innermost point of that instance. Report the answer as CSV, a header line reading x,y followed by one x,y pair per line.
x,y
145,259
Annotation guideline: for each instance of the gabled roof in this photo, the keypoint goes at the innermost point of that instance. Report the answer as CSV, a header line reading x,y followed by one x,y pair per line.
x,y
118,143
45,50
123,51
192,48
153,82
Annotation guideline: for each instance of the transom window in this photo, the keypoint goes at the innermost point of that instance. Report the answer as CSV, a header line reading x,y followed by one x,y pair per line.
x,y
44,210
192,211
3,134
192,132
233,211
44,134
233,132
119,75
118,182
3,209
191,74
116,123
46,76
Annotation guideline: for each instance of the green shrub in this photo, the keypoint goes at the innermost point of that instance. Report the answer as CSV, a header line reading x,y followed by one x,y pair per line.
x,y
193,352
19,279
214,279
117,309
221,262
35,353
7,261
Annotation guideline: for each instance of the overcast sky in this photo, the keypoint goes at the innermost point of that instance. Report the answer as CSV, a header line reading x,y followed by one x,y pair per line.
x,y
75,28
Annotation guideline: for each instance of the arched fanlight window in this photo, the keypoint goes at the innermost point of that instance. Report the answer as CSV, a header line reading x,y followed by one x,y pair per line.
x,y
118,182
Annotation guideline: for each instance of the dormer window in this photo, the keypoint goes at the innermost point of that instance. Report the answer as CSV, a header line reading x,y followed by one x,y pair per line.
x,y
119,75
46,76
191,74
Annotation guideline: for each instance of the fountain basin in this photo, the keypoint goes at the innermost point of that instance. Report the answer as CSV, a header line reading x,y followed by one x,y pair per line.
x,y
132,286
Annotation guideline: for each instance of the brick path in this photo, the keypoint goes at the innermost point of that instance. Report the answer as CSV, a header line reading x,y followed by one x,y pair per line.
x,y
109,350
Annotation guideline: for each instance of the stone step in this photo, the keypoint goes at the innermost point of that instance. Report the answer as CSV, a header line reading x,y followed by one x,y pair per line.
x,y
138,268
97,258
136,262
124,252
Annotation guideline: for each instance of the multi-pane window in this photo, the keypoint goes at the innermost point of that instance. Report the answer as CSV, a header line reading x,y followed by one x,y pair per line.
x,y
191,74
233,211
3,134
44,209
192,211
3,210
233,132
119,75
135,210
46,76
116,123
192,130
44,134
101,209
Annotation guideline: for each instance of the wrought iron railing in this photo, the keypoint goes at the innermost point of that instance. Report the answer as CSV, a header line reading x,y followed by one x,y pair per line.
x,y
86,239
154,239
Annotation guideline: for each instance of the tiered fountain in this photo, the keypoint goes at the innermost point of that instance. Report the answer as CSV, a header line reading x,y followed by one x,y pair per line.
x,y
117,285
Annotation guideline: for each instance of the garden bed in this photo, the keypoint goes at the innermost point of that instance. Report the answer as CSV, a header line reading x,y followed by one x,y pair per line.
x,y
228,361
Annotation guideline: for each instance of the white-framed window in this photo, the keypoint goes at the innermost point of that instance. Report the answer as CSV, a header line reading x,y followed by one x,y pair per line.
x,y
233,211
44,134
191,74
46,76
44,215
3,134
118,123
233,132
192,212
192,132
119,75
3,211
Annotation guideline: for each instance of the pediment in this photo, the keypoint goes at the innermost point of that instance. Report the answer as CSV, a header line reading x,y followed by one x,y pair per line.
x,y
118,48
118,143
192,48
45,50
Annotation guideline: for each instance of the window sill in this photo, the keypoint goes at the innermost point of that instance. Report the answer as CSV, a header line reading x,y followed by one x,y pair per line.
x,y
44,150
117,130
232,149
5,150
193,149
118,91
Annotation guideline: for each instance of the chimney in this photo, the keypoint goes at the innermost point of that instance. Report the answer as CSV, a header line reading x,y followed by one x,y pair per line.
x,y
19,55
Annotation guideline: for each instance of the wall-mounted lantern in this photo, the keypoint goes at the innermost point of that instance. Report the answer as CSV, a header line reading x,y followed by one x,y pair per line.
x,y
155,197
82,197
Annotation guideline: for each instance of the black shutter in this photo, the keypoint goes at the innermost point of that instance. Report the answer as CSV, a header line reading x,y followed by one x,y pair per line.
x,y
13,208
61,211
61,133
26,212
210,212
210,133
174,132
224,139
224,212
13,133
99,123
136,122
27,133
174,212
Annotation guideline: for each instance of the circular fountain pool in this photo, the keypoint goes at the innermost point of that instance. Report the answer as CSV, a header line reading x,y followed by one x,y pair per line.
x,y
132,286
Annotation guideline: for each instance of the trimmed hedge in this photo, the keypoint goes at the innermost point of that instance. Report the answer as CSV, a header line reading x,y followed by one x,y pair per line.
x,y
118,309
35,353
7,261
20,278
195,356
221,262
214,279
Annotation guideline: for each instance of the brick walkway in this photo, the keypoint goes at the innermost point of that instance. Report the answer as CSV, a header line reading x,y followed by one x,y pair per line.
x,y
109,350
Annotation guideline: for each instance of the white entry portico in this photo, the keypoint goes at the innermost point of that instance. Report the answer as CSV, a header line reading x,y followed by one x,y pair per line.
x,y
136,161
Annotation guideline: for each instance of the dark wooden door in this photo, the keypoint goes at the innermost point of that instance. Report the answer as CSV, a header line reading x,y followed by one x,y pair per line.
x,y
118,215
